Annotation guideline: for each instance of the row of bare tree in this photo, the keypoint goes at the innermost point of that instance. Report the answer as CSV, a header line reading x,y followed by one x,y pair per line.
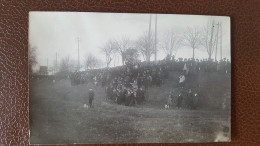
x,y
90,62
206,38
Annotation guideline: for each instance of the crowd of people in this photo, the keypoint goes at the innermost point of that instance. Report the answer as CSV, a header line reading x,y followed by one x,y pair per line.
x,y
128,84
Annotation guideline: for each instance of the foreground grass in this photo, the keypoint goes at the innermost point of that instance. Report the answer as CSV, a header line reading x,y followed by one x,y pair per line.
x,y
57,115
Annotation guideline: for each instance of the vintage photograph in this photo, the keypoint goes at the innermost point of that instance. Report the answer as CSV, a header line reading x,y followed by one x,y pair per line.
x,y
108,78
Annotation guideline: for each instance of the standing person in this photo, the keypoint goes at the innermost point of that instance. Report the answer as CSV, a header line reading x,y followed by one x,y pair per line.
x,y
195,101
139,81
133,99
181,81
185,69
91,95
140,95
190,99
179,100
170,100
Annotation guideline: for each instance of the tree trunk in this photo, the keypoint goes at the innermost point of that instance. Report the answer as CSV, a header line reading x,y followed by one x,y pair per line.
x,y
193,53
123,59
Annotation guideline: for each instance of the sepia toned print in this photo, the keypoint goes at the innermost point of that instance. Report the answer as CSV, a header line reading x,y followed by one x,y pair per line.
x,y
129,78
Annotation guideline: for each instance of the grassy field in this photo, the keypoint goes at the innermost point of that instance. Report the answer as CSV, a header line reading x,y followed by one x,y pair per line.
x,y
57,114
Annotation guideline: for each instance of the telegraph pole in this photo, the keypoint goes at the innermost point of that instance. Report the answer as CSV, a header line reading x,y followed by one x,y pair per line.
x,y
155,37
56,63
47,66
149,40
78,56
217,42
211,37
221,41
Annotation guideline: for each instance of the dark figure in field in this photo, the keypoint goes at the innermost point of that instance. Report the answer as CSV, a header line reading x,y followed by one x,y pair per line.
x,y
190,99
179,100
133,99
195,101
109,92
140,95
130,98
122,96
139,81
170,100
91,95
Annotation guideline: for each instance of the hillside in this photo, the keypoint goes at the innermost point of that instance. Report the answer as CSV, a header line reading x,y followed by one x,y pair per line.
x,y
57,114
213,90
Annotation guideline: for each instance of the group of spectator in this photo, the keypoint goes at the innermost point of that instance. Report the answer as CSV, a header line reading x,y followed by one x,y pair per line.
x,y
128,84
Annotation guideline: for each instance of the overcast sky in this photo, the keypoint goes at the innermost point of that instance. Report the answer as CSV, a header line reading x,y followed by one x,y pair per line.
x,y
52,32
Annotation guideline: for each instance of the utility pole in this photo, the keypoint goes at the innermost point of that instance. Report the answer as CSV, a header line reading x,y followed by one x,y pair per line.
x,y
56,63
115,59
217,42
47,66
148,53
78,56
155,38
211,37
221,41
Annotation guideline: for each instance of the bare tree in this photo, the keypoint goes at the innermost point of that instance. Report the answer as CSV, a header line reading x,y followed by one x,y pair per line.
x,y
91,62
171,43
131,56
66,67
122,45
32,59
108,49
65,64
192,38
145,45
209,37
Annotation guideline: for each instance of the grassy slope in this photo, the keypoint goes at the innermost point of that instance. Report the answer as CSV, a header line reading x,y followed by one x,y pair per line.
x,y
212,88
57,115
